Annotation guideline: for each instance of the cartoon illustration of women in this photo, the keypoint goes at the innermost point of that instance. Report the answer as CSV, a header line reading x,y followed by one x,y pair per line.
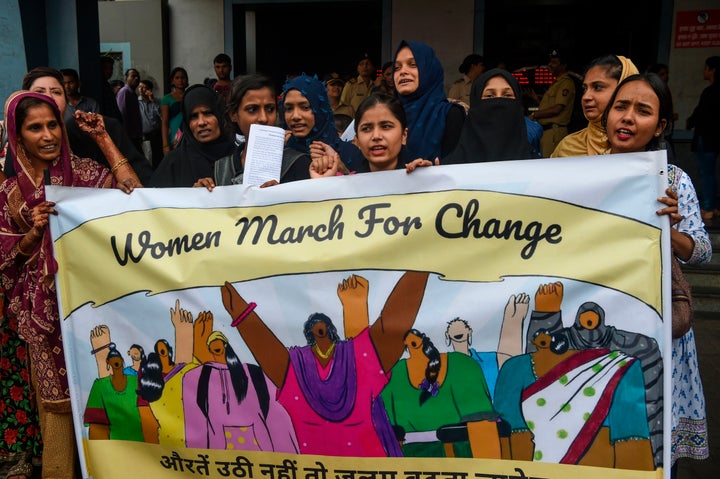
x,y
571,406
161,378
458,334
329,386
112,411
137,355
430,390
590,331
231,405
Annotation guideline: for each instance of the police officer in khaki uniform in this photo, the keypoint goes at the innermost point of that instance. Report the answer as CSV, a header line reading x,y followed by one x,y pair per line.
x,y
356,89
555,109
472,67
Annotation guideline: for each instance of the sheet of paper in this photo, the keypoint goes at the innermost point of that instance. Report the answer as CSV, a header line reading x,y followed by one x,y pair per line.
x,y
264,154
349,132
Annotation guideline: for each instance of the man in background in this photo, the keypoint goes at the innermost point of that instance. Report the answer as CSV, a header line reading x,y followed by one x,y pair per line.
x,y
223,67
108,105
151,123
472,67
75,100
358,88
127,102
556,107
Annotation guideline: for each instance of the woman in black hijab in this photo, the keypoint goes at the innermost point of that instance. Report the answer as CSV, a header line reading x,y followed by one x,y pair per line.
x,y
206,145
495,127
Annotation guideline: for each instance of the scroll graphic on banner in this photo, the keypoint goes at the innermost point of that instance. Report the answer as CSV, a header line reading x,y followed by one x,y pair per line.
x,y
506,317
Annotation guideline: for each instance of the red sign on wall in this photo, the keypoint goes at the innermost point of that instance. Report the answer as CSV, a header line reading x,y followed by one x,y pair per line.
x,y
697,29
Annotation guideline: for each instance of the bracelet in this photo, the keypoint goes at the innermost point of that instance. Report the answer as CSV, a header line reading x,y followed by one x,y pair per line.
x,y
117,165
104,346
244,314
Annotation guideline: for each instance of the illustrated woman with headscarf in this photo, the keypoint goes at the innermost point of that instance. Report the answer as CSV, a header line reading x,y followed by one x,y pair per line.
x,y
570,403
590,331
329,386
231,405
430,390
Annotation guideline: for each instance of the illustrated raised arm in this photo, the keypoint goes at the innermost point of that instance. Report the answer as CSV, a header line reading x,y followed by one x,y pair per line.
x,y
100,344
548,297
183,322
353,293
267,349
397,316
547,312
510,343
202,328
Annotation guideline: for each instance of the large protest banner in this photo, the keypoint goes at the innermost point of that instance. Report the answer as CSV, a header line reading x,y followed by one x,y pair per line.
x,y
507,317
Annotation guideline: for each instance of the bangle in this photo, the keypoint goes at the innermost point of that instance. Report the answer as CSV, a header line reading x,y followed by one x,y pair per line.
x,y
117,165
104,346
244,314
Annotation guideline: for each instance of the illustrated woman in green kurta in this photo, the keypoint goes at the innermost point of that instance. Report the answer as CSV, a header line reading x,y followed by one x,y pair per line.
x,y
430,390
112,411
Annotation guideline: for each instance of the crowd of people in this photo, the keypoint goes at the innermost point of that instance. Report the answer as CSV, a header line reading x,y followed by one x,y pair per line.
x,y
196,136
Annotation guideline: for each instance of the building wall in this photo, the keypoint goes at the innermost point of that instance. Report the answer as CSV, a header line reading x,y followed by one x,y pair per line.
x,y
196,32
686,84
446,26
196,36
140,24
12,55
686,66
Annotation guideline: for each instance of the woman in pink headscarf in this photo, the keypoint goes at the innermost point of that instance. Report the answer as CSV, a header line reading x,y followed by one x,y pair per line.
x,y
41,154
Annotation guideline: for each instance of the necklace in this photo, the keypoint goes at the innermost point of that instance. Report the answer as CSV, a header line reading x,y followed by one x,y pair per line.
x,y
327,353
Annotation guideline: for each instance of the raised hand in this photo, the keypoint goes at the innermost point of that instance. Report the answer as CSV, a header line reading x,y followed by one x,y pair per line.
x,y
355,289
181,318
91,123
202,328
353,294
234,304
99,342
548,297
517,308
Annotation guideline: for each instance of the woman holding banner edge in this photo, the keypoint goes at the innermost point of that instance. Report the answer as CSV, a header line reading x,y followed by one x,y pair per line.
x,y
638,112
38,143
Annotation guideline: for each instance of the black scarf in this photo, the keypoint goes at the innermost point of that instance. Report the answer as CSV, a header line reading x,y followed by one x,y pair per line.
x,y
495,127
192,160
